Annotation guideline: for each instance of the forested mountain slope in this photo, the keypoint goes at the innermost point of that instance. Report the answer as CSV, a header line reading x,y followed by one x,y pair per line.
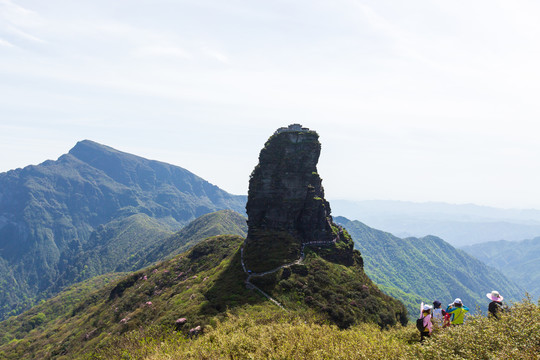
x,y
426,269
85,200
518,260
217,223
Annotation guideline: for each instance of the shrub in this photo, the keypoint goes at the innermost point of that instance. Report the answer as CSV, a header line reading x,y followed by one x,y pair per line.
x,y
261,333
515,336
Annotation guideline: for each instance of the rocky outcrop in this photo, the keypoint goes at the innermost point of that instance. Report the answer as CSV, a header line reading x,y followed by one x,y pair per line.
x,y
294,252
286,206
285,190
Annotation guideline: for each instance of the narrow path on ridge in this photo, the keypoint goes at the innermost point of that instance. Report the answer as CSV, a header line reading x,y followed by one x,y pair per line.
x,y
299,261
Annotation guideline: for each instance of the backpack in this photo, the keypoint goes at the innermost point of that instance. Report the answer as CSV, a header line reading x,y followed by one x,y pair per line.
x,y
420,324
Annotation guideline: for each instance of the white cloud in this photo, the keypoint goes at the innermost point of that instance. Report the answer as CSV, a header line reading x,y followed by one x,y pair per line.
x,y
6,43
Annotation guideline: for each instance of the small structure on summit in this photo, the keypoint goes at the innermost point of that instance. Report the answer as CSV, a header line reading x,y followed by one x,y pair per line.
x,y
292,127
286,206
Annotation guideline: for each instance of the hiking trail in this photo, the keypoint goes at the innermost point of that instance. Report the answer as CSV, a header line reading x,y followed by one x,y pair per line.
x,y
299,261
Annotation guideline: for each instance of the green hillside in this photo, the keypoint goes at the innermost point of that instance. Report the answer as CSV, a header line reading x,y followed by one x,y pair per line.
x,y
108,245
426,269
201,286
518,260
285,335
216,223
65,220
117,322
189,286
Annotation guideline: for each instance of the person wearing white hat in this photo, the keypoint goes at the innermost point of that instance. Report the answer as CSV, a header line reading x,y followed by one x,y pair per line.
x,y
496,305
458,311
427,324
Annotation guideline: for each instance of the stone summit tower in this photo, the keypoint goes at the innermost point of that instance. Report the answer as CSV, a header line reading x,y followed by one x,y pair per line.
x,y
286,206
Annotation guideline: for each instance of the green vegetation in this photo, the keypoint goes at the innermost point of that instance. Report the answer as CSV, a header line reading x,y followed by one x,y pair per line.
x,y
332,311
112,243
426,269
344,295
518,260
86,213
217,223
257,334
45,315
200,287
270,250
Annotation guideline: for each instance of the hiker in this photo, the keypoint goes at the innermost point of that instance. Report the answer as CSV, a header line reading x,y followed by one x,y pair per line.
x,y
447,319
438,313
495,306
458,311
424,324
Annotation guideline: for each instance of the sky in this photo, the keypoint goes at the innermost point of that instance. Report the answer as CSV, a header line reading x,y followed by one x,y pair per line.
x,y
413,100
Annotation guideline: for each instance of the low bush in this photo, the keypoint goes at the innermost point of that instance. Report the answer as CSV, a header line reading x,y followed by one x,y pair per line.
x,y
516,335
258,333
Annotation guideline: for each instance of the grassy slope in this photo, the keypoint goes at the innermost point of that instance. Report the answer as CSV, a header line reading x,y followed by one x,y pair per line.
x,y
197,285
285,335
216,223
44,315
110,245
126,244
342,294
519,260
426,269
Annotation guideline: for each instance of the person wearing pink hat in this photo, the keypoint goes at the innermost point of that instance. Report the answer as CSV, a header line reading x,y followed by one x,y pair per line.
x,y
495,306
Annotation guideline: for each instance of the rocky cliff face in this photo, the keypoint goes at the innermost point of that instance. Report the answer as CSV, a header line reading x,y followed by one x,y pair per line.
x,y
286,206
285,191
294,250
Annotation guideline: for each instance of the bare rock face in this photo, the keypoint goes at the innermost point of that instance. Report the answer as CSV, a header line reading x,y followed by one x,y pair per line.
x,y
285,191
286,206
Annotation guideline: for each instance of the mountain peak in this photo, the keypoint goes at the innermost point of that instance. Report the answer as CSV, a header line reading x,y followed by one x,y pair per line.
x,y
50,211
286,206
88,143
122,167
88,151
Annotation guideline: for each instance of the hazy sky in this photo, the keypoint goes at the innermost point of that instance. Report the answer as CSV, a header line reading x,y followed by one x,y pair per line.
x,y
413,100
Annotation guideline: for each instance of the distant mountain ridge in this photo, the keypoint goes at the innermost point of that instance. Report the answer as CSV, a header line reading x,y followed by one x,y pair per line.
x,y
460,225
519,260
426,269
49,212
